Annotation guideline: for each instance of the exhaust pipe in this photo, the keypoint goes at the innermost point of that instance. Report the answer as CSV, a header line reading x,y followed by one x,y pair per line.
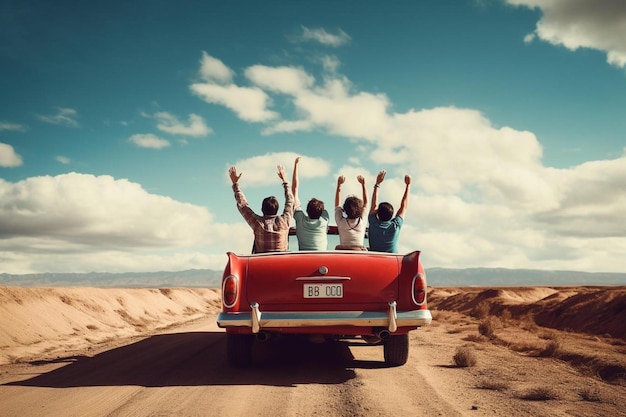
x,y
263,336
383,335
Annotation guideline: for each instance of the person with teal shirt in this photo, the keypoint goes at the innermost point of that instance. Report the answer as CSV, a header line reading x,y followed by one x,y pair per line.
x,y
384,229
312,227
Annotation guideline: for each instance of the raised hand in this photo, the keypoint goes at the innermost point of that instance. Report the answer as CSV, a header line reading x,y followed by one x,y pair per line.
x,y
281,173
380,177
232,172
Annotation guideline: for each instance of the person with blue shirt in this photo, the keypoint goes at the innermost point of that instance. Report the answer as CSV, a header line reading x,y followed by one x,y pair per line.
x,y
384,228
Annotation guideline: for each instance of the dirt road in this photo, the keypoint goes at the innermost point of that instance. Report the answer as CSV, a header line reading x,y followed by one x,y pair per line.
x,y
183,373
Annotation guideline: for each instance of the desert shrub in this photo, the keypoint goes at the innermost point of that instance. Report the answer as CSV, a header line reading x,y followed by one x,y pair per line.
x,y
481,310
475,338
527,322
539,394
590,394
506,317
552,349
464,357
494,385
531,347
488,326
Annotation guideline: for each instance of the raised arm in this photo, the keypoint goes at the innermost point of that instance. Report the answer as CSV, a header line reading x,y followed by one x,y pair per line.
x,y
242,203
361,180
379,179
288,194
405,198
294,183
340,180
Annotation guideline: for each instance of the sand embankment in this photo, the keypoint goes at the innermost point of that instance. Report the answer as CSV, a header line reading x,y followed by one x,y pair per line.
x,y
593,310
49,321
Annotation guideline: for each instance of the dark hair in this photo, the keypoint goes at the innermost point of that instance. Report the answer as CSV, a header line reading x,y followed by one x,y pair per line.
x,y
353,207
385,212
270,206
315,208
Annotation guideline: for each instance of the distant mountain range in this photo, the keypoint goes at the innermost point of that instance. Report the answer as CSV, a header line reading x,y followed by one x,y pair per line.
x,y
502,277
437,277
189,278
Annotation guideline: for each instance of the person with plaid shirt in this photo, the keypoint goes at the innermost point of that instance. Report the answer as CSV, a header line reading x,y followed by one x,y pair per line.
x,y
271,231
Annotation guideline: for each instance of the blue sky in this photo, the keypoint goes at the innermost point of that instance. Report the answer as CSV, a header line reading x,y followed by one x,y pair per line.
x,y
119,120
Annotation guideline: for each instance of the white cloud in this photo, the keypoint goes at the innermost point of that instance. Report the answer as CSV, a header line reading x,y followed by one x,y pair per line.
x,y
529,38
325,38
334,108
212,69
64,116
592,203
596,24
63,159
8,157
250,104
287,126
261,170
196,126
330,64
12,126
331,106
148,140
285,80
80,223
98,211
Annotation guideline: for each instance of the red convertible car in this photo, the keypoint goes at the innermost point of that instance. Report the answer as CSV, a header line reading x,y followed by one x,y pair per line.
x,y
363,296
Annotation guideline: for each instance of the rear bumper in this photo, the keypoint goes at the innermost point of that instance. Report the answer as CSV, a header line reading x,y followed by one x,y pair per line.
x,y
391,319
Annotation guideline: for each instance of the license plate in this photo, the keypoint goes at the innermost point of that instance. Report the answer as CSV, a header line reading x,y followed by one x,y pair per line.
x,y
323,290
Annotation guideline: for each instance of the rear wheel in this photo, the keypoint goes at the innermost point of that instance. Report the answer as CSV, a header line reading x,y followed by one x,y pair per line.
x,y
239,349
397,350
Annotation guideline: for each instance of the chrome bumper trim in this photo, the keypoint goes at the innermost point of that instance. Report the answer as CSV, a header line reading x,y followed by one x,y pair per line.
x,y
391,319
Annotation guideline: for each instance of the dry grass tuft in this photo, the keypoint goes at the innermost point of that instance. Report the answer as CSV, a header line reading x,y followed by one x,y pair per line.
x,y
488,326
539,394
476,338
590,395
553,349
464,357
527,322
506,317
493,385
481,310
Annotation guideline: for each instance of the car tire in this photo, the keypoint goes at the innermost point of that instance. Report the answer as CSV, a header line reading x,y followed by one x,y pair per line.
x,y
396,350
239,349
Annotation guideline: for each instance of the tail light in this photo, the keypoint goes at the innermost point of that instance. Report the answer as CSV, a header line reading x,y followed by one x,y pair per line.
x,y
419,289
230,291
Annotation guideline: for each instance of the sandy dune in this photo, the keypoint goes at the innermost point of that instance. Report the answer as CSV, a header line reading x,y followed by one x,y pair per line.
x,y
594,310
49,321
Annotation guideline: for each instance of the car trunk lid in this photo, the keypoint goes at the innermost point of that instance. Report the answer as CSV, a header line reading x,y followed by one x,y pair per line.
x,y
314,279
